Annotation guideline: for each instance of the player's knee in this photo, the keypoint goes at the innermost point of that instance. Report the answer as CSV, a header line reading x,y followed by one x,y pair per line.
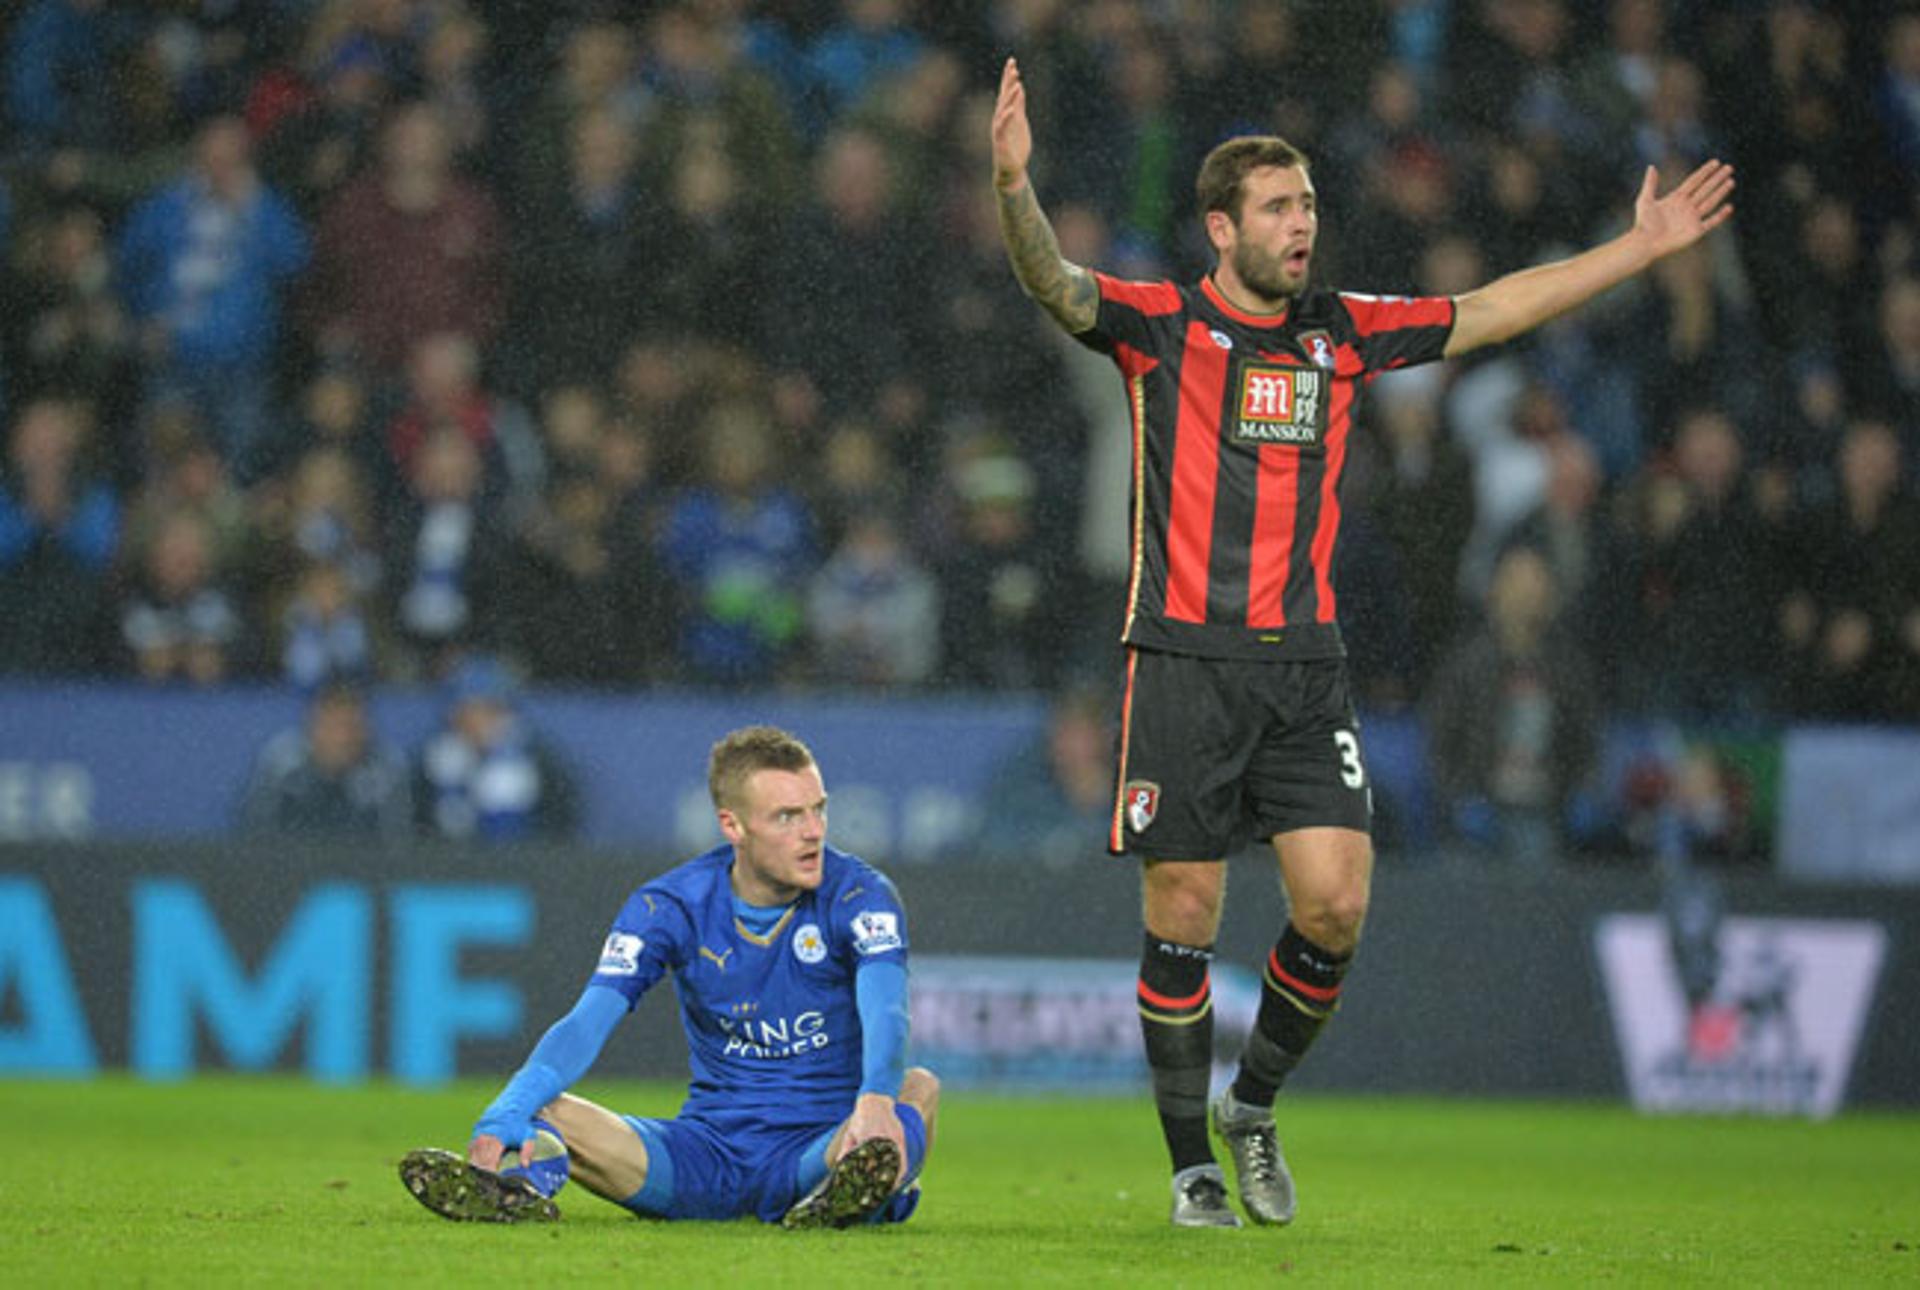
x,y
921,1090
1182,907
1334,924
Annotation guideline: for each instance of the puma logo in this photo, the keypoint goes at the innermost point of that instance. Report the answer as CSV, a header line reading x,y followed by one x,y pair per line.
x,y
719,960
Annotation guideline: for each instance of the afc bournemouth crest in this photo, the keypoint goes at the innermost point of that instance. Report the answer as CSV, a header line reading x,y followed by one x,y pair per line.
x,y
1143,802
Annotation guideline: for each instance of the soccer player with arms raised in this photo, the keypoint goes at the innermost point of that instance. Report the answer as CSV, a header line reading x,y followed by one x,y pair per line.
x,y
790,962
1237,720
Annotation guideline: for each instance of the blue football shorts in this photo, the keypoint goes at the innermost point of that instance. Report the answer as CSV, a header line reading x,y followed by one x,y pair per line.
x,y
698,1169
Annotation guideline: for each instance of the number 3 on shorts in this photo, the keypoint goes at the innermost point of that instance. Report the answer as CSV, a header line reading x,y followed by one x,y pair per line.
x,y
1352,773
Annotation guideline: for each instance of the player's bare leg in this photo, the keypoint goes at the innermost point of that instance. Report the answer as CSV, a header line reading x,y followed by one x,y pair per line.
x,y
1181,902
607,1156
1328,875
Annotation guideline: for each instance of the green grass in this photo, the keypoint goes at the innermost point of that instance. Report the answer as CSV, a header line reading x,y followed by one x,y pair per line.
x,y
278,1182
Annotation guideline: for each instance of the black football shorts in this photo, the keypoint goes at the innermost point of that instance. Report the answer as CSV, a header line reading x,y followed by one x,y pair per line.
x,y
1217,752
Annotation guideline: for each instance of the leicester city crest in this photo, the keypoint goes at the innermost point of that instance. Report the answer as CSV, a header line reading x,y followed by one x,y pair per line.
x,y
808,945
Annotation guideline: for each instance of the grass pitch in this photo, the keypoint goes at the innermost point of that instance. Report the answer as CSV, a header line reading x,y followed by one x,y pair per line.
x,y
280,1182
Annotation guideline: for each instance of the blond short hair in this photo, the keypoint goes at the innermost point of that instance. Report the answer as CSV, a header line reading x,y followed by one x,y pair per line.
x,y
739,754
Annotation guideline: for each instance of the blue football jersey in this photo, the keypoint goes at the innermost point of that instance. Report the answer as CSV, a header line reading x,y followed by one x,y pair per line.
x,y
773,1030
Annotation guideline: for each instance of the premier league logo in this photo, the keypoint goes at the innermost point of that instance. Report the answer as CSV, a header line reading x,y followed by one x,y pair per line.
x,y
1143,803
1739,1014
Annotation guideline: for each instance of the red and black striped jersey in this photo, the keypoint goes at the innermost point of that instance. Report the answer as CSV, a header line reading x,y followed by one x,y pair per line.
x,y
1240,427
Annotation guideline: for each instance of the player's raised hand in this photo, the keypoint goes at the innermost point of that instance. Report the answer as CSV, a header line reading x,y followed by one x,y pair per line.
x,y
1012,135
1692,210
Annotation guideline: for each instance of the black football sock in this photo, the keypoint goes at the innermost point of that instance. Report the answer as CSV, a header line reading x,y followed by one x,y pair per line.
x,y
1176,1020
1298,993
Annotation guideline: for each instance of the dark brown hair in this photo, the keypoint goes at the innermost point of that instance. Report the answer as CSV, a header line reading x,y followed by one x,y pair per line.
x,y
744,751
1223,175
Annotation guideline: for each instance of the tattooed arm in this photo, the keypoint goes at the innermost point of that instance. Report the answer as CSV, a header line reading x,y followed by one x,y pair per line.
x,y
1062,288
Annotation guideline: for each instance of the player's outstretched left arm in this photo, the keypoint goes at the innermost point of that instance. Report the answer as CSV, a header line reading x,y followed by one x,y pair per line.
x,y
1522,301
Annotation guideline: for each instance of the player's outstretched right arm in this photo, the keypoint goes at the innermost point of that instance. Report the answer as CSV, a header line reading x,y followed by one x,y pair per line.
x,y
562,1056
1062,288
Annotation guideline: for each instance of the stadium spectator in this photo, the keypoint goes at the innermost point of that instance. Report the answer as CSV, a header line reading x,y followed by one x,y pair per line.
x,y
187,473
1051,801
738,547
326,631
330,778
596,70
1852,614
1507,418
995,361
319,511
58,533
584,258
1417,484
1888,384
849,332
873,611
1002,625
914,111
60,58
487,775
446,394
67,332
444,550
850,58
316,115
832,1134
408,249
1571,534
709,237
334,413
1694,332
202,264
1512,726
1897,92
453,57
706,90
178,623
1696,587
581,595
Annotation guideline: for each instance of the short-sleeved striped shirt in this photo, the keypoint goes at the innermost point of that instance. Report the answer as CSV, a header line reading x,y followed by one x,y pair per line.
x,y
1240,429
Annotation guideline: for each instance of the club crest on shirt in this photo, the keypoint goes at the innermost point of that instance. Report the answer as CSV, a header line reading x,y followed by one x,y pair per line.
x,y
875,931
1143,803
620,956
808,945
1281,404
1319,347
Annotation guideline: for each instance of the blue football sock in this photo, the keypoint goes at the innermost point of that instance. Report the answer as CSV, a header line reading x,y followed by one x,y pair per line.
x,y
543,1160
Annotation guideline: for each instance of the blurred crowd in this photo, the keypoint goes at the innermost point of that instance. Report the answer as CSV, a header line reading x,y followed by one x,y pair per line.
x,y
672,343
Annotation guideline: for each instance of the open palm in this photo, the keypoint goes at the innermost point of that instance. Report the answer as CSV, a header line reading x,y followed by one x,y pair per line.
x,y
1012,135
1692,210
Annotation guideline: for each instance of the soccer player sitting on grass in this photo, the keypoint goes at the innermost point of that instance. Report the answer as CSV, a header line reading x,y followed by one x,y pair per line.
x,y
790,962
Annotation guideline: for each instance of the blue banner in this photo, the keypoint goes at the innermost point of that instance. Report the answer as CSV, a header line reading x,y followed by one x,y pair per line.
x,y
126,762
